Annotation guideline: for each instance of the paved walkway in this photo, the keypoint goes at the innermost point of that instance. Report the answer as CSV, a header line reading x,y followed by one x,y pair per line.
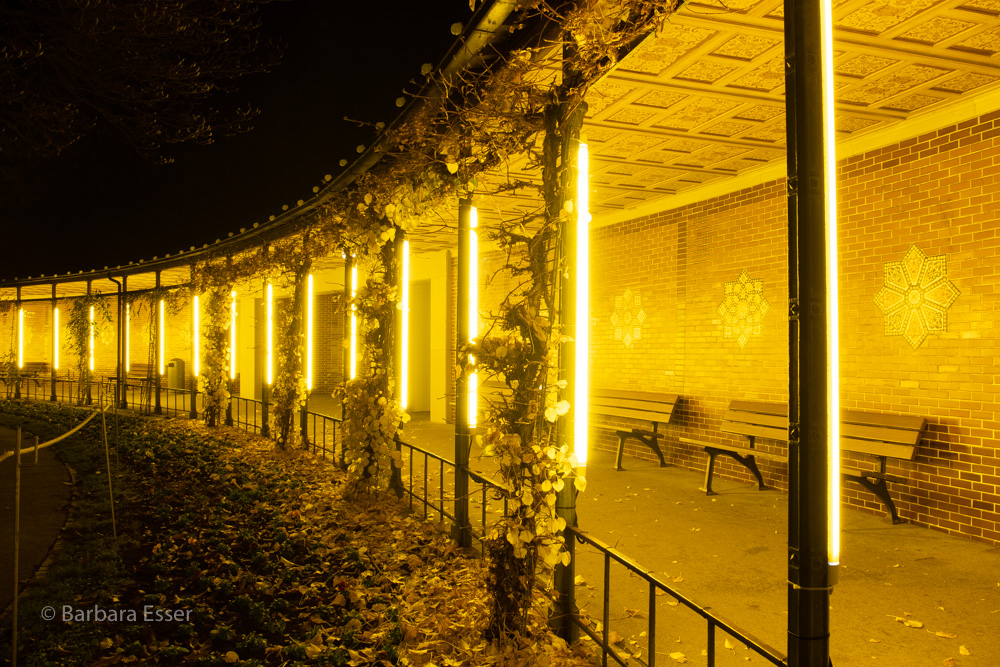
x,y
726,552
729,552
45,491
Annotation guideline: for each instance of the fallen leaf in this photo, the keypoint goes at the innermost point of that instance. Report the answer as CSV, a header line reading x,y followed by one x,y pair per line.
x,y
949,662
964,651
874,641
728,644
106,643
631,613
615,638
580,581
947,635
232,657
678,656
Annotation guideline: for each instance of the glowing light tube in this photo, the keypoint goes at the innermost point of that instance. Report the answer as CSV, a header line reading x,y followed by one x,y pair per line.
x,y
832,296
163,335
309,332
473,281
404,325
354,323
20,337
55,341
196,339
128,347
232,336
581,402
270,334
91,338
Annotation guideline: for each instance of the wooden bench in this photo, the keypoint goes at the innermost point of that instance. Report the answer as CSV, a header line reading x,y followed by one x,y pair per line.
x,y
641,405
878,435
35,369
751,419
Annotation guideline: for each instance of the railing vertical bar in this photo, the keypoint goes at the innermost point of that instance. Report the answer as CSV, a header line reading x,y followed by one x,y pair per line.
x,y
651,632
606,615
711,643
425,486
441,487
411,480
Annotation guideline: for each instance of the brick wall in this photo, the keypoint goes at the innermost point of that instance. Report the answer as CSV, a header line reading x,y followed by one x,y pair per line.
x,y
936,192
328,356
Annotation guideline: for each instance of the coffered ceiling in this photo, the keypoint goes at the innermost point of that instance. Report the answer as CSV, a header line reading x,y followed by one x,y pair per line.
x,y
701,104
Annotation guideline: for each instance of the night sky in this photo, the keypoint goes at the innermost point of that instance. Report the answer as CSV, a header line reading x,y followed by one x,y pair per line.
x,y
99,204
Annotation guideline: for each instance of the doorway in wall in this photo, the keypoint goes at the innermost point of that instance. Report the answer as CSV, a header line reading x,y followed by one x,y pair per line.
x,y
420,347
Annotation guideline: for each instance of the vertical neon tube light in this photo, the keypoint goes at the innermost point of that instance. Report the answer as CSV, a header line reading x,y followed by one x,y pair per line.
x,y
270,334
354,323
91,338
20,337
232,336
309,332
832,307
196,339
473,280
582,350
55,341
128,347
163,335
404,365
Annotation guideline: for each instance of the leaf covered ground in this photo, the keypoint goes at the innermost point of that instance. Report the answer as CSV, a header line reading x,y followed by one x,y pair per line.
x,y
270,565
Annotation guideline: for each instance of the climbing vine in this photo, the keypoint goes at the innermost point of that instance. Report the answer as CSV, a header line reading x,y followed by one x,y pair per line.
x,y
216,320
88,315
373,415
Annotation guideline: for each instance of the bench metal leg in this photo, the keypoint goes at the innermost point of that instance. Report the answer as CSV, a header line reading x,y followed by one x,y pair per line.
x,y
748,461
709,470
621,451
654,444
881,491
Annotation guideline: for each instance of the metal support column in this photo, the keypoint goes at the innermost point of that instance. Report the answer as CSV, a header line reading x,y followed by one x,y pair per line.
x,y
160,326
119,337
462,530
124,337
90,372
395,270
810,399
17,344
55,347
566,323
195,341
347,310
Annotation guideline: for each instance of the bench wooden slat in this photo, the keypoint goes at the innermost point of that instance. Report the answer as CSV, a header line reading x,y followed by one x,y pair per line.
x,y
598,404
741,428
603,394
763,407
909,422
881,434
874,448
662,417
777,421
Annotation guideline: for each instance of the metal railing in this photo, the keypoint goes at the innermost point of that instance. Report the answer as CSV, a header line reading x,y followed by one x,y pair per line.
x,y
428,482
423,467
653,584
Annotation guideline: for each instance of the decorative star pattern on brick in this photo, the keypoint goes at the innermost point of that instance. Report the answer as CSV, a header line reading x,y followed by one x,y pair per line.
x,y
743,309
628,317
916,296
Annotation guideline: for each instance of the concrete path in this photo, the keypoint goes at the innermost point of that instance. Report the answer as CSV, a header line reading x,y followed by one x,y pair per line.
x,y
45,492
729,552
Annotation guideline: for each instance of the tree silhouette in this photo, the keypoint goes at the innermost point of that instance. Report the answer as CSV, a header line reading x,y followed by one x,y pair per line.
x,y
155,71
